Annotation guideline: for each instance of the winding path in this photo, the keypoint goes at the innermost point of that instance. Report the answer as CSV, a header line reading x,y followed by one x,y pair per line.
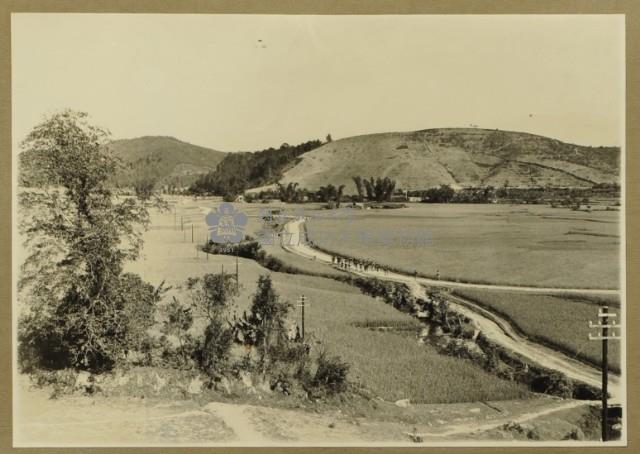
x,y
493,326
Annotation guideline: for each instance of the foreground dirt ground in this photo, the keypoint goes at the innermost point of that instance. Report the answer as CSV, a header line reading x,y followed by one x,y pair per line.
x,y
82,420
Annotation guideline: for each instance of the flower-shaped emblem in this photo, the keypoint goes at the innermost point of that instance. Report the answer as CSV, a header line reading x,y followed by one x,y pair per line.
x,y
226,224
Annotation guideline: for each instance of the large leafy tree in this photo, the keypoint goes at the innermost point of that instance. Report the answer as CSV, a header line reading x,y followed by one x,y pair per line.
x,y
83,311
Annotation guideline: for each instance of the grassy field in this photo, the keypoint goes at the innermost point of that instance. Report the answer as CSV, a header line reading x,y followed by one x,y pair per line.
x,y
392,364
519,245
562,322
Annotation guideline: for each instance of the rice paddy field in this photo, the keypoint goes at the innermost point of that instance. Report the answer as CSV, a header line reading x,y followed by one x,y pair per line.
x,y
558,321
392,364
531,245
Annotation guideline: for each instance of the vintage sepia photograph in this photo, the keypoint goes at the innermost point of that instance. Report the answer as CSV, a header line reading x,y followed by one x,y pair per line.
x,y
318,230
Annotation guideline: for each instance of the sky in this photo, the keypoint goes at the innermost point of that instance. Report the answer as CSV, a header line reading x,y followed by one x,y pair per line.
x,y
248,82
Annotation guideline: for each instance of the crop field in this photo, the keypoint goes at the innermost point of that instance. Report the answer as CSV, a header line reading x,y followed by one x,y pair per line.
x,y
390,363
531,245
562,322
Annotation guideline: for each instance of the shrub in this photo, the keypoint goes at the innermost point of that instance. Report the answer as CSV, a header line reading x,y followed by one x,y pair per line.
x,y
251,249
178,321
331,374
229,197
87,333
213,354
212,297
553,383
61,381
264,327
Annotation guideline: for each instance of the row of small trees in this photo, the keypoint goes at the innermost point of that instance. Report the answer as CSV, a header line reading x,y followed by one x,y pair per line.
x,y
292,193
557,196
380,189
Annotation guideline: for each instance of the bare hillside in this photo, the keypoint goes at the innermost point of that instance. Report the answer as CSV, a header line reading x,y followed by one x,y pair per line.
x,y
458,157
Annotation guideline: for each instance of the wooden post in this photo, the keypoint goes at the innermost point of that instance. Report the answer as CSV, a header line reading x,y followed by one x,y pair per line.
x,y
605,377
302,304
604,315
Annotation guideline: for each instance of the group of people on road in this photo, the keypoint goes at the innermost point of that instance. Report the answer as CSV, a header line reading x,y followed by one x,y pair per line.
x,y
352,264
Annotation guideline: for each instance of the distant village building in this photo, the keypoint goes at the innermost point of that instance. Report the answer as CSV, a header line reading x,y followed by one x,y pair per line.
x,y
239,199
400,196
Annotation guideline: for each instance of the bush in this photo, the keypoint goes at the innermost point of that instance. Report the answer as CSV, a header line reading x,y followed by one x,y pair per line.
x,y
61,381
229,197
211,297
89,334
331,374
213,354
553,383
250,249
178,321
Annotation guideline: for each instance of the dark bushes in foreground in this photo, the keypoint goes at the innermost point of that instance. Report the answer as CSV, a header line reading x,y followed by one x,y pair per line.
x,y
86,333
331,374
270,352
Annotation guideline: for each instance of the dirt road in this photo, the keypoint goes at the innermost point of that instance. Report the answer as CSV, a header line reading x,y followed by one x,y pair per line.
x,y
494,327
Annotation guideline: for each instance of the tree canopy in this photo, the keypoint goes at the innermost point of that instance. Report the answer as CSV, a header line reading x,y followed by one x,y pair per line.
x,y
78,235
240,171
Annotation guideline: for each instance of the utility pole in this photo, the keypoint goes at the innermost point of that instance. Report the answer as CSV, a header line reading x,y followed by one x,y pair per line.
x,y
302,302
192,233
604,315
237,274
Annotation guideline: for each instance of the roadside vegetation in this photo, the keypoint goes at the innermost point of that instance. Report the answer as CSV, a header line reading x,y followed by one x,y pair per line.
x,y
561,322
